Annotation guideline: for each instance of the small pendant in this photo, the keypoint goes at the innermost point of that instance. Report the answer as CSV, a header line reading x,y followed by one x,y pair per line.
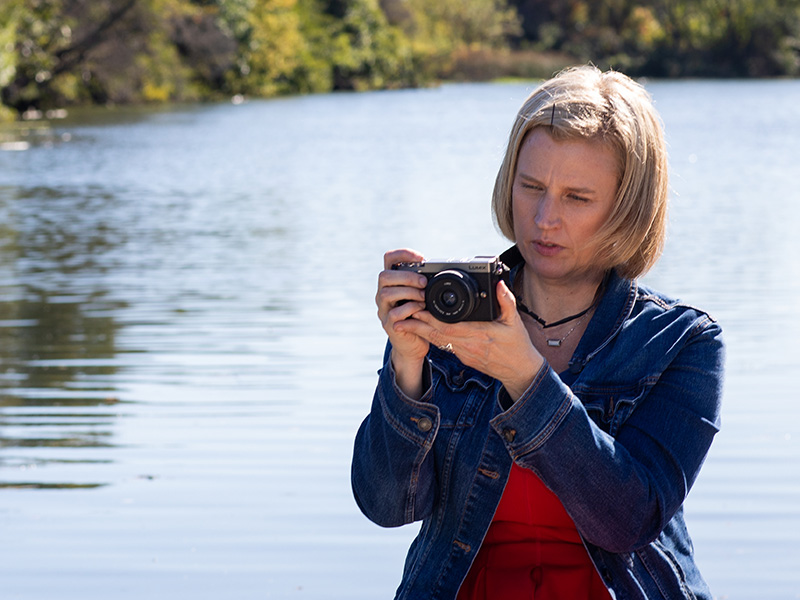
x,y
554,343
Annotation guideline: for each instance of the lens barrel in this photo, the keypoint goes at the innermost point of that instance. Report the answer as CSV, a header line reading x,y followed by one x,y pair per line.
x,y
451,295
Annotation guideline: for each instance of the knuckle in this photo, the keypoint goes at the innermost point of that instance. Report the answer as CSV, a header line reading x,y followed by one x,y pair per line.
x,y
450,330
389,258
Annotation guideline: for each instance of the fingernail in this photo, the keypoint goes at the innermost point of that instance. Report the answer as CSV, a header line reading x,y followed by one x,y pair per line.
x,y
423,281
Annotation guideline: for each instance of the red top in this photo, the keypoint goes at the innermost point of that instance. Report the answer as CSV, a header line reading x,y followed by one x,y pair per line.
x,y
532,550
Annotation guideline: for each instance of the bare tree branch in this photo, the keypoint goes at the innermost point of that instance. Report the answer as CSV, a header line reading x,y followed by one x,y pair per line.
x,y
74,54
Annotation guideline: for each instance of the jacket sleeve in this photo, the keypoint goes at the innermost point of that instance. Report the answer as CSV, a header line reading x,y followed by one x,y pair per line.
x,y
622,491
392,472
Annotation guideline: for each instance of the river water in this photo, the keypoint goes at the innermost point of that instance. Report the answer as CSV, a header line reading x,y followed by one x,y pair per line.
x,y
188,338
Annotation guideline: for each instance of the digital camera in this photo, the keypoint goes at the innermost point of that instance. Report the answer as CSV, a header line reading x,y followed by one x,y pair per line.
x,y
461,290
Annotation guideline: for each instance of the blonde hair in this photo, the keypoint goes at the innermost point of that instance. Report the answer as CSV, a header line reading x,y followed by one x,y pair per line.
x,y
586,103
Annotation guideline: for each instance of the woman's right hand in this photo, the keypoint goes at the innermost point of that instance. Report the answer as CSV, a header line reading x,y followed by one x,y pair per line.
x,y
408,349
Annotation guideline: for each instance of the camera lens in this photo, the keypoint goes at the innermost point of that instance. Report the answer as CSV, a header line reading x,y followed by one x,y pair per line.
x,y
449,298
451,295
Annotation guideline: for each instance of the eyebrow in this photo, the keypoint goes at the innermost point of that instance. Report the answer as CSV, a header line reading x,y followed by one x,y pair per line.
x,y
578,190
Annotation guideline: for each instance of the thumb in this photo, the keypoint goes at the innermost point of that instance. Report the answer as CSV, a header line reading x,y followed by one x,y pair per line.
x,y
507,302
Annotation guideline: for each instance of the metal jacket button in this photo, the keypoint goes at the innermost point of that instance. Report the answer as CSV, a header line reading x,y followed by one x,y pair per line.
x,y
424,424
509,435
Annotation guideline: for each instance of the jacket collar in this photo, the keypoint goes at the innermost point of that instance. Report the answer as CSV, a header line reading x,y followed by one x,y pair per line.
x,y
614,308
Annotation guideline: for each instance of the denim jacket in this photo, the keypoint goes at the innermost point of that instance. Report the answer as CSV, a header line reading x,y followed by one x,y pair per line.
x,y
619,436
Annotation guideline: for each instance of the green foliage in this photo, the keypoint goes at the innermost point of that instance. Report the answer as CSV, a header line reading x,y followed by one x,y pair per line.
x,y
439,31
730,38
365,51
314,73
734,38
267,33
34,33
457,24
60,52
10,14
71,51
298,46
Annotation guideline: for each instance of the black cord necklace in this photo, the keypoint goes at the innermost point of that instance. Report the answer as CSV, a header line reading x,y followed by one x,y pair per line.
x,y
545,325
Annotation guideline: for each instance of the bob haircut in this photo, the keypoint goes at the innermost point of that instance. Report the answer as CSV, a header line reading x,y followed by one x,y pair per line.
x,y
586,103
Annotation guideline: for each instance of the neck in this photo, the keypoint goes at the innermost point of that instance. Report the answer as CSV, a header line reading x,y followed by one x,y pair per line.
x,y
554,301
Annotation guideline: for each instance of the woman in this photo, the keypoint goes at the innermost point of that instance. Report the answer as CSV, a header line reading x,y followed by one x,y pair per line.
x,y
548,453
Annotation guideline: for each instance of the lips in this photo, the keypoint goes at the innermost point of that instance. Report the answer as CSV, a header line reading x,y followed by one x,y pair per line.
x,y
547,248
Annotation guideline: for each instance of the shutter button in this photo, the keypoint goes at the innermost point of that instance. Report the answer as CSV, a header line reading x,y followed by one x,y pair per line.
x,y
424,424
509,435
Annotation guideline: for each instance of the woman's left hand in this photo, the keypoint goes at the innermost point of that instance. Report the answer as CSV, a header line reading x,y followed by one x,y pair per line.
x,y
501,349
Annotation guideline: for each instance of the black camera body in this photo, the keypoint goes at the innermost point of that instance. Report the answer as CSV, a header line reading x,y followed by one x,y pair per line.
x,y
461,290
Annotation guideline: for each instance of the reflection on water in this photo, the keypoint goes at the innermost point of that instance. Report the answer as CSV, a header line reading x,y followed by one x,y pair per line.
x,y
57,339
188,338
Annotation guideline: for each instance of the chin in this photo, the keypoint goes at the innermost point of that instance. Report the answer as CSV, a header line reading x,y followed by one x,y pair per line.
x,y
547,270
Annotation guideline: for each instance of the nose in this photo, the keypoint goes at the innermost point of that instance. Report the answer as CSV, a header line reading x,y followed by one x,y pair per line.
x,y
547,213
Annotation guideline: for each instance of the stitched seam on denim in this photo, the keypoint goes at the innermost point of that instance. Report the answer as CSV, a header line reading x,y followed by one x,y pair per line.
x,y
437,518
535,384
646,563
408,401
425,447
554,421
701,325
452,447
422,559
651,570
633,292
447,565
413,484
553,424
446,469
473,376
471,487
639,387
676,567
399,427
666,305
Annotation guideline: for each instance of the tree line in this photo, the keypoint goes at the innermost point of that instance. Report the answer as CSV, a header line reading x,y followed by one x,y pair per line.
x,y
60,52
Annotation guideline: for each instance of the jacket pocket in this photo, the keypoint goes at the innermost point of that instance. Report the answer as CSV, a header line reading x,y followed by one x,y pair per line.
x,y
459,393
609,406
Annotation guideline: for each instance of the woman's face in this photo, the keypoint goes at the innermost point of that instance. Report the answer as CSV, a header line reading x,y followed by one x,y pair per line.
x,y
563,192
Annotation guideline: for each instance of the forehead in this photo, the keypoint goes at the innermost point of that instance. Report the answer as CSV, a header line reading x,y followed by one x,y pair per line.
x,y
542,153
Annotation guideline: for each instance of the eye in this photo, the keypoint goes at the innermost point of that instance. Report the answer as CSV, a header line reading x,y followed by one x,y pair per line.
x,y
578,198
530,186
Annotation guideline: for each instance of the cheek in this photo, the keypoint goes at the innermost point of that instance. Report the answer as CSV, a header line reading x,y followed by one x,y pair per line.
x,y
518,217
588,229
522,206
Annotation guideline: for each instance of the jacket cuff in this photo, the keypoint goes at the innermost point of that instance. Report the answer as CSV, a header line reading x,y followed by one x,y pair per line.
x,y
535,416
416,420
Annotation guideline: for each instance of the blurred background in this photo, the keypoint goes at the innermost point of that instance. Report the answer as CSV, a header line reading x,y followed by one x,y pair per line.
x,y
189,249
54,53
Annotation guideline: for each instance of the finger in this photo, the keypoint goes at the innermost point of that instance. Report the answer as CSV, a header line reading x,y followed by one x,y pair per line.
x,y
429,333
390,278
456,330
427,318
388,298
403,313
392,257
414,325
438,333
